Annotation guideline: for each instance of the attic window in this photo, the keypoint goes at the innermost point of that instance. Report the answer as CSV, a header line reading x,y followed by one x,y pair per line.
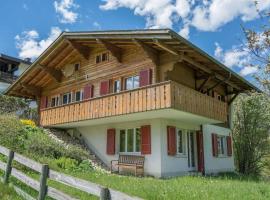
x,y
76,66
102,57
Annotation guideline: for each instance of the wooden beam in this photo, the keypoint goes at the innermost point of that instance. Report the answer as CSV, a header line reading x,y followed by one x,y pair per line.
x,y
36,91
204,83
113,49
165,47
148,50
54,73
81,49
233,98
207,70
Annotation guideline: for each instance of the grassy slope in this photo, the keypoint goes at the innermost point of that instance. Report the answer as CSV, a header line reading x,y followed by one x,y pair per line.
x,y
7,193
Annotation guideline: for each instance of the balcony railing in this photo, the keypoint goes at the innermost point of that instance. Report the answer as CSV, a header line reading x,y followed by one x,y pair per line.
x,y
154,97
7,77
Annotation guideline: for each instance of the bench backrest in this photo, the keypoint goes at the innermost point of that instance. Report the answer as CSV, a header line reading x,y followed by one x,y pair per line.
x,y
131,159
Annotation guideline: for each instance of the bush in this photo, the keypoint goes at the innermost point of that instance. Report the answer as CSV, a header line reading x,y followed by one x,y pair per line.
x,y
76,153
66,163
28,122
12,133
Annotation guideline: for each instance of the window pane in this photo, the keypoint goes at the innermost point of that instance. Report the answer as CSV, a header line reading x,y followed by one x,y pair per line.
x,y
65,99
136,81
130,140
129,84
53,102
69,97
78,96
138,140
116,86
122,141
180,141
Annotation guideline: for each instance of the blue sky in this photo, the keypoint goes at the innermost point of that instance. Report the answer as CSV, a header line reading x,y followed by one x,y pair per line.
x,y
29,26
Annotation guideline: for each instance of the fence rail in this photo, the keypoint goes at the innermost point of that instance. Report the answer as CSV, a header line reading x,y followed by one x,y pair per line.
x,y
45,173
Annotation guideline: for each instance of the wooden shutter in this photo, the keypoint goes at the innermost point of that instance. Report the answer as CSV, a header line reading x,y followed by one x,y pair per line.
x,y
171,140
214,145
43,102
88,92
229,145
146,139
104,87
200,151
145,77
111,141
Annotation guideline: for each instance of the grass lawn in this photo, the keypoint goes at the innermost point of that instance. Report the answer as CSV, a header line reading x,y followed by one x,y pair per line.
x,y
7,193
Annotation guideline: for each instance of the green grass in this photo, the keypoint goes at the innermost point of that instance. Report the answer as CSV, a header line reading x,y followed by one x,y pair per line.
x,y
7,193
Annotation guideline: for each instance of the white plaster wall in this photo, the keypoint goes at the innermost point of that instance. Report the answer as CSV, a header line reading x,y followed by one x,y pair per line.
x,y
3,86
175,165
96,138
215,164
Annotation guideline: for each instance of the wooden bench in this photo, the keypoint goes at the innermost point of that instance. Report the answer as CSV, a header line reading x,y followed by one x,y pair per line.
x,y
131,162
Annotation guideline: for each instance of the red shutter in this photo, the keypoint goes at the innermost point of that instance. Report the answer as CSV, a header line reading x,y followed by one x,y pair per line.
x,y
43,102
229,145
200,151
214,145
111,141
171,140
88,92
145,77
146,139
104,87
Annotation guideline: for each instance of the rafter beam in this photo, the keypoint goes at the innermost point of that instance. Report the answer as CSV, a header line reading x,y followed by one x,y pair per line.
x,y
207,70
81,49
36,91
233,98
113,49
148,50
165,47
54,73
204,82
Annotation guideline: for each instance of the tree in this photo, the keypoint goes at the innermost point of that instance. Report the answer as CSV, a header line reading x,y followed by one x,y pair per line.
x,y
251,125
10,104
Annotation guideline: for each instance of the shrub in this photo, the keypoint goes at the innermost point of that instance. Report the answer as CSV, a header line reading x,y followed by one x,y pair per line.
x,y
28,122
12,133
66,163
76,153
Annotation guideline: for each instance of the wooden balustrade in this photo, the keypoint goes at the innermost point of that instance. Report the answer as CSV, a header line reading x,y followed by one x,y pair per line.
x,y
159,96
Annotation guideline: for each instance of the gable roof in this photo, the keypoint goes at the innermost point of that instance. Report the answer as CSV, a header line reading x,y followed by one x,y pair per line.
x,y
158,39
14,60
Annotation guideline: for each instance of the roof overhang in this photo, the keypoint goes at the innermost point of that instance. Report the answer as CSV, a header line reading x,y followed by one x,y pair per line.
x,y
47,66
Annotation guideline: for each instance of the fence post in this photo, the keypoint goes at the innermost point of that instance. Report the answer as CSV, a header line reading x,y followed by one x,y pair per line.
x,y
105,194
9,166
43,182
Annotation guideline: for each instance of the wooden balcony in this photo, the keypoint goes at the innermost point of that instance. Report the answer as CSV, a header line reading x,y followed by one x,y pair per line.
x,y
154,97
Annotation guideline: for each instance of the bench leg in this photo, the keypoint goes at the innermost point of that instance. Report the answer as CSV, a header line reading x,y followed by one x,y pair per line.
x,y
135,171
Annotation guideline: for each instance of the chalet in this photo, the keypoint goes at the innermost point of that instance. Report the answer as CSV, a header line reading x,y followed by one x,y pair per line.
x,y
147,94
10,69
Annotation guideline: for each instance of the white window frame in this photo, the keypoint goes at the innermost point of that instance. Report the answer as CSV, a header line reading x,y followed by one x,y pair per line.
x,y
184,141
126,141
69,98
114,89
133,78
221,139
81,95
57,101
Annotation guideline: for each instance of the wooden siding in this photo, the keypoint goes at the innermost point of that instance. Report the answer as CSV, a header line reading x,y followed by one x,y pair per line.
x,y
154,97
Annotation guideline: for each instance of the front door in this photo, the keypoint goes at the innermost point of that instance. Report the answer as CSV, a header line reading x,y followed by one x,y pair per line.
x,y
191,144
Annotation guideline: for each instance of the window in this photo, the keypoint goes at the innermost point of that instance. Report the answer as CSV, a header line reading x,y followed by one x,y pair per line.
x,y
102,57
181,141
132,82
130,140
116,86
222,145
79,96
55,101
76,67
67,98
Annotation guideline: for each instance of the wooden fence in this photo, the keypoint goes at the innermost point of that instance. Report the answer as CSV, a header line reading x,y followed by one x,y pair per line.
x,y
46,173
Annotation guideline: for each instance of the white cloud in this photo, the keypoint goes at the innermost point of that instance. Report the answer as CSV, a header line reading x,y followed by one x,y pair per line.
x,y
206,15
97,25
29,44
248,70
238,57
64,9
